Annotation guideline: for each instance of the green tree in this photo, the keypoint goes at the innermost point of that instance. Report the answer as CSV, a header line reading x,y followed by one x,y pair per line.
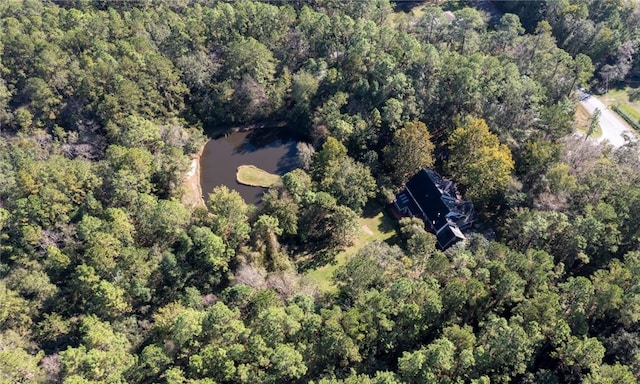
x,y
547,230
159,221
419,244
153,360
298,184
578,355
464,30
15,311
506,347
265,239
304,87
432,25
247,80
325,224
17,365
287,363
186,328
349,182
336,344
478,161
103,354
508,29
576,295
284,208
433,363
409,151
99,296
363,271
594,124
616,373
332,151
230,216
399,314
583,71
209,250
127,174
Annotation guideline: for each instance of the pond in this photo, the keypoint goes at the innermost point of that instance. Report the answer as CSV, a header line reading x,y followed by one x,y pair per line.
x,y
221,158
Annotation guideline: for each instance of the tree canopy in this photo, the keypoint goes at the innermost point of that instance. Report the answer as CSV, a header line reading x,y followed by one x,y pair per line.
x,y
478,160
107,275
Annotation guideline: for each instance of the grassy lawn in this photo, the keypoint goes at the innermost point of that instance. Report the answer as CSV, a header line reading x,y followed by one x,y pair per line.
x,y
381,226
622,96
627,99
630,114
631,111
582,122
256,177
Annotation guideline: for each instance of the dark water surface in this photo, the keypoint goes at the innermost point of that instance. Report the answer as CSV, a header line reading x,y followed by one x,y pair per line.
x,y
221,157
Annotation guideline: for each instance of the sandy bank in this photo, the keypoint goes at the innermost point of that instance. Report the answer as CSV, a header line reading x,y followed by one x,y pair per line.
x,y
192,190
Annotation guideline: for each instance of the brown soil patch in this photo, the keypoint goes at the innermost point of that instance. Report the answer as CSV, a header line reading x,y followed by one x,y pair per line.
x,y
192,190
583,120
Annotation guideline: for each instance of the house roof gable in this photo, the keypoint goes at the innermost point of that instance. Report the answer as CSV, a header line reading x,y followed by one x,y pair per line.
x,y
428,196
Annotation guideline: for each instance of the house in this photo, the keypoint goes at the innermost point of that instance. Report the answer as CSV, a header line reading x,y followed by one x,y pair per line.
x,y
436,201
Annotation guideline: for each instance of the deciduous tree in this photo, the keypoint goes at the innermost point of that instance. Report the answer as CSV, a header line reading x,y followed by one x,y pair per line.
x,y
230,219
410,150
478,160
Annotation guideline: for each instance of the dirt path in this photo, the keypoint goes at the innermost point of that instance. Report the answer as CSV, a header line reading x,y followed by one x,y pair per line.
x,y
192,195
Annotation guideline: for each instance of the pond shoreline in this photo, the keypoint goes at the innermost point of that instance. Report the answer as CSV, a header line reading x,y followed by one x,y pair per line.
x,y
222,132
192,185
192,188
268,149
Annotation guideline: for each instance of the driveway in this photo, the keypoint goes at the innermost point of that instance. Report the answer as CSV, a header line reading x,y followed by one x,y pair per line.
x,y
613,128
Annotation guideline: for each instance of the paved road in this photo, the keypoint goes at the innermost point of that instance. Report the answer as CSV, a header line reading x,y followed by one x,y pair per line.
x,y
613,129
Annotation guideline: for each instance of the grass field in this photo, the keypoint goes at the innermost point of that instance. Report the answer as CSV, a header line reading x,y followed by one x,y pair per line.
x,y
380,226
623,96
630,114
629,110
256,177
626,99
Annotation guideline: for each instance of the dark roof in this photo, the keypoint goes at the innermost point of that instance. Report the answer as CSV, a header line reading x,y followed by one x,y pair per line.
x,y
429,198
435,199
407,205
448,235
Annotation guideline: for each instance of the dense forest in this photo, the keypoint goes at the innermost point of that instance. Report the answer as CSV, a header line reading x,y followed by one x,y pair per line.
x,y
107,276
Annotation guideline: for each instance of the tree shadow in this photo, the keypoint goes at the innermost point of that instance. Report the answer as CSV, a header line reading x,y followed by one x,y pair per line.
x,y
257,140
372,209
406,6
250,140
289,161
268,145
316,258
389,223
266,137
634,95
